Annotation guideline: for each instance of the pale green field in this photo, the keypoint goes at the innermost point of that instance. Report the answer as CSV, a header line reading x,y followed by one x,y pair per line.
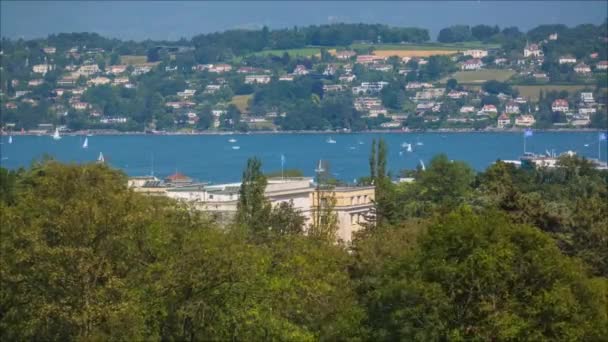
x,y
303,52
533,91
128,59
241,102
480,76
429,46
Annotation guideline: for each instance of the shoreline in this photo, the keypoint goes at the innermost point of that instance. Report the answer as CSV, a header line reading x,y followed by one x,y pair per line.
x,y
177,133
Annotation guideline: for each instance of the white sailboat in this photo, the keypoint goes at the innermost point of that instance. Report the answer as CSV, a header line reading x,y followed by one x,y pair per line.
x,y
10,139
409,147
231,140
85,144
101,159
422,165
56,135
330,140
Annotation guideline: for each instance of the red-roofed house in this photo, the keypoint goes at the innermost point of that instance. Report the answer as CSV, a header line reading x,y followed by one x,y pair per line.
x,y
560,105
503,121
178,179
489,109
532,50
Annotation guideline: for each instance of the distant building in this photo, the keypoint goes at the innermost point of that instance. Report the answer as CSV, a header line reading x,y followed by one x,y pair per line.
x,y
300,70
582,68
117,69
553,36
345,54
49,50
560,105
503,121
512,108
467,109
587,97
532,50
567,60
261,79
489,108
475,53
42,68
602,65
98,81
471,64
525,121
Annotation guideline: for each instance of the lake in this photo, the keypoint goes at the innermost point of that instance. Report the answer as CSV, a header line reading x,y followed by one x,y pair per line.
x,y
212,158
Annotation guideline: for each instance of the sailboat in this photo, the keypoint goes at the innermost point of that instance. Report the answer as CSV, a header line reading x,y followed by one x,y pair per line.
x,y
85,144
330,140
10,139
409,147
56,135
422,165
231,140
101,159
320,168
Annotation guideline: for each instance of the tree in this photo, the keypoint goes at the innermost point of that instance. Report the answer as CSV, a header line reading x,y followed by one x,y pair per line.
x,y
451,84
483,277
253,209
285,219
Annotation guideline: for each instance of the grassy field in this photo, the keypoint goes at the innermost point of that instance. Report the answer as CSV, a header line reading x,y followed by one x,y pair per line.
x,y
128,59
480,76
303,52
413,53
427,46
533,91
241,102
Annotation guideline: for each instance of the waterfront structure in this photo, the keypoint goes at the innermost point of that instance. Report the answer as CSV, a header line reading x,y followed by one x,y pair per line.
x,y
353,205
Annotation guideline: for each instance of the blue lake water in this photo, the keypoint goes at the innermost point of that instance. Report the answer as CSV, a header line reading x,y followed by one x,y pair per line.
x,y
212,158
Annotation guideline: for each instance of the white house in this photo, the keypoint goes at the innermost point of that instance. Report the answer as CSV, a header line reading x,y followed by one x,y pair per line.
x,y
602,65
532,50
471,64
525,121
99,81
489,108
300,70
582,68
261,79
587,97
42,68
567,59
467,109
512,108
475,53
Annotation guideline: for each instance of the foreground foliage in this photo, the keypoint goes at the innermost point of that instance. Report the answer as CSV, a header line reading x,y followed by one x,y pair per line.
x,y
508,254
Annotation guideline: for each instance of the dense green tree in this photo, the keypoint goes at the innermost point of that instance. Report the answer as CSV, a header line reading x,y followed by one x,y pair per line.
x,y
253,210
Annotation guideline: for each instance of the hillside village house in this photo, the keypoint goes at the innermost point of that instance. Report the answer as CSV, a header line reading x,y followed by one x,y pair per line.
x,y
80,105
366,103
88,70
117,69
377,110
251,70
417,85
602,65
367,59
300,70
66,82
212,88
261,79
454,94
587,97
333,87
488,109
467,109
532,50
120,80
586,111
35,83
429,94
525,121
475,53
220,68
187,93
49,50
512,108
42,68
345,54
98,81
347,78
369,87
560,105
192,118
567,60
582,68
286,78
503,121
141,69
553,36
